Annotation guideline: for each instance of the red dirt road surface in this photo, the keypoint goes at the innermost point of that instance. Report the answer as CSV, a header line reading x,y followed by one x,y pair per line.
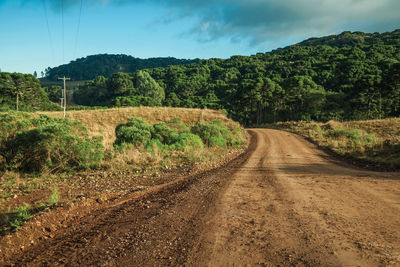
x,y
283,202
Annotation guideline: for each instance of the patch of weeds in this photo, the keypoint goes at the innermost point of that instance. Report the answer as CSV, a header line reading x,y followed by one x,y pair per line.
x,y
12,220
54,197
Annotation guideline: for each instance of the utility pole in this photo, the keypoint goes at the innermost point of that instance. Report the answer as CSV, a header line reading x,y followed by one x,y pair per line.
x,y
65,93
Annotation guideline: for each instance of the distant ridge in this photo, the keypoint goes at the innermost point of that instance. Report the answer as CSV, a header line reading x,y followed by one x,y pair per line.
x,y
89,67
348,38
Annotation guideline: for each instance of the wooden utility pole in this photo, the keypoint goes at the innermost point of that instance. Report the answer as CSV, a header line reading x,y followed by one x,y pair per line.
x,y
65,92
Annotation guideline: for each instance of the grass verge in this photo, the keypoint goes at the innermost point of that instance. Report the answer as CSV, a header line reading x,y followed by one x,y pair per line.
x,y
373,144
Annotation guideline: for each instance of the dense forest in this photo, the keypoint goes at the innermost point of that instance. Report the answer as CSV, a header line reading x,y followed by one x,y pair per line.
x,y
343,77
90,67
25,90
346,76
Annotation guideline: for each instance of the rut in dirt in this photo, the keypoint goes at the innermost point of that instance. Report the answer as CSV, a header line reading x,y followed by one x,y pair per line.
x,y
283,203
159,228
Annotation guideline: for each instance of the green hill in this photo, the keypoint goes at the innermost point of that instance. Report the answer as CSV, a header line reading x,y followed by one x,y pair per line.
x,y
89,67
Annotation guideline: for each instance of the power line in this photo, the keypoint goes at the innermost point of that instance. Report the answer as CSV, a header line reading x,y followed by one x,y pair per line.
x,y
77,29
62,30
48,30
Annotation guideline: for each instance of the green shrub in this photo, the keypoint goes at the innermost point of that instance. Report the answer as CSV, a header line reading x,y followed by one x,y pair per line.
x,y
178,126
136,131
370,138
188,140
31,145
235,141
213,133
176,135
217,142
164,134
155,144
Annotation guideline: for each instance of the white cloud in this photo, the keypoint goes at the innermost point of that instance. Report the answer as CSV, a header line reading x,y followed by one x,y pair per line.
x,y
257,21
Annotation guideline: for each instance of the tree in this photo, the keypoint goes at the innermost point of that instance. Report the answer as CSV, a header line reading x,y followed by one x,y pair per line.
x,y
148,87
35,74
119,84
22,92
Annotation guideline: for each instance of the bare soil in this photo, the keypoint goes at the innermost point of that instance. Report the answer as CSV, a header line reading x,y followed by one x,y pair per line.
x,y
283,202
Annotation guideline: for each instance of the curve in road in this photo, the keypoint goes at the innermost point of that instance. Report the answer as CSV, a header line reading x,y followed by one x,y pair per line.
x,y
283,203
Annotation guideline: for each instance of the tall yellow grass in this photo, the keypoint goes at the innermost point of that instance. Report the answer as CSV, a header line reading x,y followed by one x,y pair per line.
x,y
103,122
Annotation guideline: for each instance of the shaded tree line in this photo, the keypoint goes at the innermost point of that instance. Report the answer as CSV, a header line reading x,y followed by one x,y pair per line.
x,y
121,89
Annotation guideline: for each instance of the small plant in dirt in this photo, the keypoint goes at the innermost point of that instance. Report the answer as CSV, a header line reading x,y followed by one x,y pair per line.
x,y
12,220
54,197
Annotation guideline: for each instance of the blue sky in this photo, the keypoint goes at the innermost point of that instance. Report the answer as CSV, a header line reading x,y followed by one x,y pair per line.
x,y
178,28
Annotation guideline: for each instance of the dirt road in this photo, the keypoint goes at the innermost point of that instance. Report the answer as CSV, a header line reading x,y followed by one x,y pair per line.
x,y
283,203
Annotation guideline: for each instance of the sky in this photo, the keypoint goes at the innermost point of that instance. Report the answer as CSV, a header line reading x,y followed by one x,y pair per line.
x,y
36,34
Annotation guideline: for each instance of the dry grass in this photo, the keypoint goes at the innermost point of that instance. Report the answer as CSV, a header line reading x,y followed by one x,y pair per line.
x,y
385,128
103,122
375,142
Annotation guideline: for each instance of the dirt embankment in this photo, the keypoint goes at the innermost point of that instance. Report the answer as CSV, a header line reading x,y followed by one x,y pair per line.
x,y
283,203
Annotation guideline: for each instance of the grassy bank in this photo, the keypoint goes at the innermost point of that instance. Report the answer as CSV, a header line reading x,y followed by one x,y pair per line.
x,y
372,143
142,147
103,122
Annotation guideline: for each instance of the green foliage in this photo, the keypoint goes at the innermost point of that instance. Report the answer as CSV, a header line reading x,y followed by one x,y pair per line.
x,y
148,87
85,107
26,88
216,134
217,141
164,134
54,197
356,136
53,92
178,125
134,101
188,140
175,135
22,214
343,77
33,144
13,219
136,131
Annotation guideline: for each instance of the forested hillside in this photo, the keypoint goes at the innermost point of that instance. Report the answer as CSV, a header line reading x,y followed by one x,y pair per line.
x,y
345,76
90,67
24,87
